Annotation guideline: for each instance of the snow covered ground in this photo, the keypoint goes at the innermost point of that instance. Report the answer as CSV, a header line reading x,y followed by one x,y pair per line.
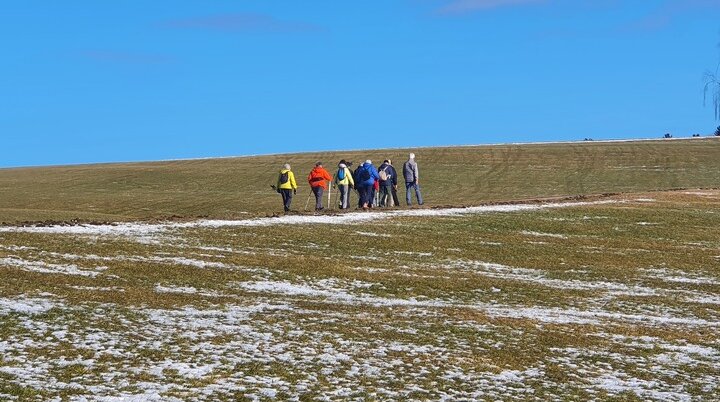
x,y
353,307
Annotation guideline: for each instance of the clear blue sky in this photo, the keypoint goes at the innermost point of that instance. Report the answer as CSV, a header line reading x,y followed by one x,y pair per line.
x,y
94,81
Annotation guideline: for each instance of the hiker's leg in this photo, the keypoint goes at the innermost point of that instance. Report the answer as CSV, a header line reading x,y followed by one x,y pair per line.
x,y
388,201
396,201
343,194
408,198
364,195
282,194
417,194
287,198
318,191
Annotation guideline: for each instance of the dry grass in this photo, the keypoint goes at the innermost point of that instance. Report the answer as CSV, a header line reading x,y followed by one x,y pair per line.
x,y
600,302
611,301
234,187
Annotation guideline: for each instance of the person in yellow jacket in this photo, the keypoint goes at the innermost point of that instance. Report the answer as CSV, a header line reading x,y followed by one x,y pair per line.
x,y
344,181
286,185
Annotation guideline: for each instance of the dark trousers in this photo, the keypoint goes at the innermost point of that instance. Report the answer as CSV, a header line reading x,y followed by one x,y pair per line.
x,y
318,191
386,199
365,194
287,198
394,196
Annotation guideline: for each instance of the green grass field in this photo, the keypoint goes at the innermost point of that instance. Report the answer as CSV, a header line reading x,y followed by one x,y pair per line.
x,y
607,298
235,187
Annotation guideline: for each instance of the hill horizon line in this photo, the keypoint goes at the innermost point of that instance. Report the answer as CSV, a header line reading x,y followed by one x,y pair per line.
x,y
349,150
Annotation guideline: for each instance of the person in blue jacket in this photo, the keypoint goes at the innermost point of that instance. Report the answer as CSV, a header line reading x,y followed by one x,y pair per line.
x,y
365,179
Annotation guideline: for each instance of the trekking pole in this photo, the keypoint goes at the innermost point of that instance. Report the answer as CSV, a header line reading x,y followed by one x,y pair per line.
x,y
336,193
329,191
308,200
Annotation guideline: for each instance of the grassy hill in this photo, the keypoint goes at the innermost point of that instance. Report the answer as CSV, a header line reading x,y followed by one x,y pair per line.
x,y
234,187
600,300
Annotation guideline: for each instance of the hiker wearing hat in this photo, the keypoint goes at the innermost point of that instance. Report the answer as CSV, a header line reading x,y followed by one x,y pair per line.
x,y
286,186
344,181
365,178
317,179
388,184
410,172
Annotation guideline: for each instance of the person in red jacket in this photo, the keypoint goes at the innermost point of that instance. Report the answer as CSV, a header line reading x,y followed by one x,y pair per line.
x,y
317,179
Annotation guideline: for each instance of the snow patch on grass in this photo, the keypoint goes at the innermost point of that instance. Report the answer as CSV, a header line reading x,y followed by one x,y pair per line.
x,y
97,289
372,234
49,268
25,305
159,288
541,234
149,233
677,276
542,314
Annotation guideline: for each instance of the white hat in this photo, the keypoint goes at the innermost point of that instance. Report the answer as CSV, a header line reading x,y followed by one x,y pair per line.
x,y
412,155
369,162
286,166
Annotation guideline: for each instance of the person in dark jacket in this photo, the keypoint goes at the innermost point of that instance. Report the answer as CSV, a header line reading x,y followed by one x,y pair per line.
x,y
412,180
357,183
365,181
388,184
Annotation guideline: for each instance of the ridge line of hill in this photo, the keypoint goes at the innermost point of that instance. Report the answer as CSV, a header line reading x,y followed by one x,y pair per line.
x,y
334,151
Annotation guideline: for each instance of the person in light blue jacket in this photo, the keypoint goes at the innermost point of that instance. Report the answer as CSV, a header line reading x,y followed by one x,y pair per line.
x,y
365,179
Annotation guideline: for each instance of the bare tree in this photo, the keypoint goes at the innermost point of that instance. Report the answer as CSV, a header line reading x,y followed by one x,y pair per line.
x,y
712,84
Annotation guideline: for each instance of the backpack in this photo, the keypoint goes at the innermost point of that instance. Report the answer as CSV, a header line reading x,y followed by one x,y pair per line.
x,y
364,174
341,174
284,177
384,175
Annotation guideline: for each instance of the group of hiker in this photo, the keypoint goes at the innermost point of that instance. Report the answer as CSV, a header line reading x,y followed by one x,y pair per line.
x,y
376,187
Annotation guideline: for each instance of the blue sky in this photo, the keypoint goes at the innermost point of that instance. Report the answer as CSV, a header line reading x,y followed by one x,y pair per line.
x,y
96,81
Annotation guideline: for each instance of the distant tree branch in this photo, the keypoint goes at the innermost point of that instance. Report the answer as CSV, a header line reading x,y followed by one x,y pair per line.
x,y
712,84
